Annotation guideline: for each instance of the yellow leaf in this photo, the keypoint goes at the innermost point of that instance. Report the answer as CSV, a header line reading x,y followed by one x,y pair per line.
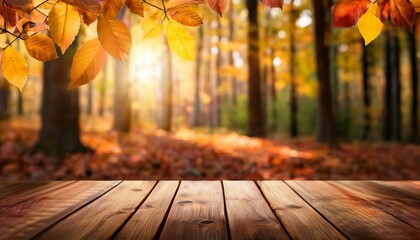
x,y
41,47
152,26
14,67
64,24
114,37
180,40
370,26
87,63
186,16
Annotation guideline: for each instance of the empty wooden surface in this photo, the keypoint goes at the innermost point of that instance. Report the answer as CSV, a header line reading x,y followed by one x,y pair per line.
x,y
210,210
299,219
249,215
197,212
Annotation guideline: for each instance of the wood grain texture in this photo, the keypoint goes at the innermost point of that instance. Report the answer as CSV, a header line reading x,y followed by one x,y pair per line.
x,y
355,217
300,220
103,217
197,212
391,201
145,223
30,217
20,191
409,188
248,213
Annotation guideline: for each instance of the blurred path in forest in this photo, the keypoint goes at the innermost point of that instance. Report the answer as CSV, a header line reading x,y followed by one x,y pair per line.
x,y
193,155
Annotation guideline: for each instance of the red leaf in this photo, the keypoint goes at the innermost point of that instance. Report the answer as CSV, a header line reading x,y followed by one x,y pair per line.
x,y
346,13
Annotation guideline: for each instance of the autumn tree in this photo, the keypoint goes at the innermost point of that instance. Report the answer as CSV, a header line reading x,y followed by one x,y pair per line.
x,y
256,126
326,118
60,129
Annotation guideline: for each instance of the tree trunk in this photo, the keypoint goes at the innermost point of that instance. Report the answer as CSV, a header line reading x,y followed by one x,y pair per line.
x,y
60,131
231,59
102,92
293,85
414,88
4,100
326,118
197,87
256,125
392,106
366,93
89,110
122,100
166,121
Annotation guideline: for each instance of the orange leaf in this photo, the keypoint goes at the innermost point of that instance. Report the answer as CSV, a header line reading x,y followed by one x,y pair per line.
x,y
41,47
64,24
115,37
87,63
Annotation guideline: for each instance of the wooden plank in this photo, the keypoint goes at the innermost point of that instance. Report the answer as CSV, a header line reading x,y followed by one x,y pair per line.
x,y
103,217
355,217
30,217
145,223
409,188
197,212
300,220
391,201
20,191
248,213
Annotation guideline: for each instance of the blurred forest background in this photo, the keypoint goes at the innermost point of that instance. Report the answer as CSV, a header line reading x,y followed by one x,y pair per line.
x,y
265,99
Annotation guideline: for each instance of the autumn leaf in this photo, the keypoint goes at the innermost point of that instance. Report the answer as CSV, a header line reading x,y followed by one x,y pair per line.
x,y
402,14
85,5
88,17
186,16
112,7
41,47
153,25
370,26
346,13
87,63
273,3
180,40
172,4
136,7
115,37
14,67
23,5
218,5
64,24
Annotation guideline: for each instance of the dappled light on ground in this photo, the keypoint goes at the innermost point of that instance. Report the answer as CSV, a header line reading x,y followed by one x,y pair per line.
x,y
193,155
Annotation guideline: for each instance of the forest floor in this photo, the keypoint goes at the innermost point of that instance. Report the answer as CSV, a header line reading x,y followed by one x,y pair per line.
x,y
194,155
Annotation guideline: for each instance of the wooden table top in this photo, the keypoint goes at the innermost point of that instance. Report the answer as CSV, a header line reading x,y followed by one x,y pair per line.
x,y
210,210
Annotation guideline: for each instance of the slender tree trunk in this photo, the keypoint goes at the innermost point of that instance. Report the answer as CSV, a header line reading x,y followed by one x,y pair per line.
x,y
197,87
90,99
366,93
102,92
231,59
4,100
392,106
326,118
122,100
168,88
414,88
60,131
293,85
256,119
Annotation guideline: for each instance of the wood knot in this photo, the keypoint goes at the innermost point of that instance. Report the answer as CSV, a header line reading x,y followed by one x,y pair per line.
x,y
136,189
185,202
206,222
